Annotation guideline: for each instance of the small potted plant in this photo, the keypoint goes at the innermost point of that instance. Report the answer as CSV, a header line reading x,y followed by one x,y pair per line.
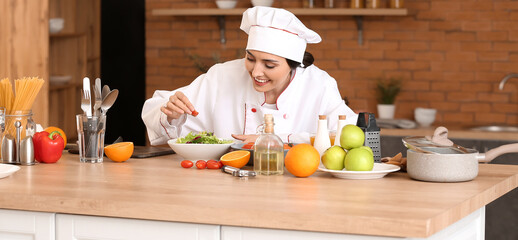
x,y
387,92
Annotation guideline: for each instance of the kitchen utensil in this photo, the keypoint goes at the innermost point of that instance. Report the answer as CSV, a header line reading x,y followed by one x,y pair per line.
x,y
105,91
437,159
8,153
18,126
451,167
372,133
109,100
98,96
86,101
236,172
27,151
436,144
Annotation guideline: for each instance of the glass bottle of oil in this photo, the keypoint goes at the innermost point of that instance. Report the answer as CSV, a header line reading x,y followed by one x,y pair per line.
x,y
268,150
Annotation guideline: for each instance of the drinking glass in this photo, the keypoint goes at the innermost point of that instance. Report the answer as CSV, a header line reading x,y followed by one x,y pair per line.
x,y
90,131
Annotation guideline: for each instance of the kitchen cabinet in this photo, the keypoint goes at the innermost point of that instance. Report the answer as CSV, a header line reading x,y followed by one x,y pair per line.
x,y
93,228
16,224
74,52
21,225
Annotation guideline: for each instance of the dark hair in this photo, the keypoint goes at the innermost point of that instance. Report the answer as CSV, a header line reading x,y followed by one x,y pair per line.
x,y
307,61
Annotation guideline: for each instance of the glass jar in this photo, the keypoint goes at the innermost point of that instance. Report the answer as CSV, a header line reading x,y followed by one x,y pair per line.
x,y
308,4
27,127
329,4
372,3
397,4
357,3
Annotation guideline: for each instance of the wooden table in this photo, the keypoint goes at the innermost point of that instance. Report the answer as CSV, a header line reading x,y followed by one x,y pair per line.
x,y
159,189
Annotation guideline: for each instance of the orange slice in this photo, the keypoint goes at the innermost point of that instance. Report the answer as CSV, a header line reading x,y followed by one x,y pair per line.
x,y
119,152
236,159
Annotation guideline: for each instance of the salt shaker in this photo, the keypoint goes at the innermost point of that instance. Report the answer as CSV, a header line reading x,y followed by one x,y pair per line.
x,y
322,141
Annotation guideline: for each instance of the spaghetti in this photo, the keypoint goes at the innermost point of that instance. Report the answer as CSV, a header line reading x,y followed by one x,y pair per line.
x,y
18,104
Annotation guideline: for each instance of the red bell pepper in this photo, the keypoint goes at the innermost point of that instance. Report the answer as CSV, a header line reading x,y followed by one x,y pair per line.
x,y
48,147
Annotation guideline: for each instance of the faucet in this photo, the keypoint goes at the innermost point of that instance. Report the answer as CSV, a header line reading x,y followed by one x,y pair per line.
x,y
511,75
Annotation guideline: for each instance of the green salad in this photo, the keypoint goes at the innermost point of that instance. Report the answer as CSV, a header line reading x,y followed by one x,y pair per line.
x,y
202,138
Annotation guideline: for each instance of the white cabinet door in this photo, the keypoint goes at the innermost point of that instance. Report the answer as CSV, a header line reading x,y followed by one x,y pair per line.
x,y
90,227
20,225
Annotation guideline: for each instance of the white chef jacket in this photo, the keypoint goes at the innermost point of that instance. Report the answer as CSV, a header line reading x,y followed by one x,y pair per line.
x,y
228,104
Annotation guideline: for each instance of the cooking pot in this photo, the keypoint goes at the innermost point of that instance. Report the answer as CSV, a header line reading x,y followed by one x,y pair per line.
x,y
442,163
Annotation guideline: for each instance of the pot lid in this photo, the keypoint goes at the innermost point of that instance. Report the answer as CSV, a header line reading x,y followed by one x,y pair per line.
x,y
436,144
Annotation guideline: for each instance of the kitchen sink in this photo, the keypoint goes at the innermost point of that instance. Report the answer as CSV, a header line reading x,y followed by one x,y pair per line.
x,y
496,128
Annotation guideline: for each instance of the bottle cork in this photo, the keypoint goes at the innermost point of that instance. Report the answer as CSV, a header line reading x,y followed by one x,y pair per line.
x,y
341,117
322,117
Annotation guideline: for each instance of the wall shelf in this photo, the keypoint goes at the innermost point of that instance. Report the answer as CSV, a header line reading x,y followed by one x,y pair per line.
x,y
296,11
221,13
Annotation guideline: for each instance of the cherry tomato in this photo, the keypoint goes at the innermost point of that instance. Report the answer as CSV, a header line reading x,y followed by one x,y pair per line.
x,y
212,165
195,113
201,164
211,161
187,164
220,164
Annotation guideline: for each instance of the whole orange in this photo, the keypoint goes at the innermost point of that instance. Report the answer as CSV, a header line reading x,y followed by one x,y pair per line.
x,y
302,160
119,152
61,132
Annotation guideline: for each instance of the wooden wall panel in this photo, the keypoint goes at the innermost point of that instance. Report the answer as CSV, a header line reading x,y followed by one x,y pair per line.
x,y
24,46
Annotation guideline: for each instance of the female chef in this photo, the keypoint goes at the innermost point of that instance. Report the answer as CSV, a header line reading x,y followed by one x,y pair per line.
x,y
276,76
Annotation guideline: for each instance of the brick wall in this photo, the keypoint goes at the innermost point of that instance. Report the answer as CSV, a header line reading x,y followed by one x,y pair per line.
x,y
451,54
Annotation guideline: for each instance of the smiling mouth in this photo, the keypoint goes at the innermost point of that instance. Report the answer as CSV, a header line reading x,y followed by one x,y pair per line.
x,y
260,80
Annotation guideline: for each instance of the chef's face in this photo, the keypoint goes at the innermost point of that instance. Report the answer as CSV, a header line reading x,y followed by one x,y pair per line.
x,y
270,73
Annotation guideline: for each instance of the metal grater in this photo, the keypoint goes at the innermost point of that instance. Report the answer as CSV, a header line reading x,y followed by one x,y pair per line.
x,y
372,133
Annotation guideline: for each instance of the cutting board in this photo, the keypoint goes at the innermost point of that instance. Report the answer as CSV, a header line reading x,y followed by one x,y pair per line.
x,y
138,152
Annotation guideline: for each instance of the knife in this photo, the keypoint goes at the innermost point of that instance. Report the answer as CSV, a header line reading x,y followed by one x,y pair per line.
x,y
86,88
98,96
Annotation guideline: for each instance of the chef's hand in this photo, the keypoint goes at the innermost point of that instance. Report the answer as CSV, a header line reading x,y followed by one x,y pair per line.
x,y
177,105
245,138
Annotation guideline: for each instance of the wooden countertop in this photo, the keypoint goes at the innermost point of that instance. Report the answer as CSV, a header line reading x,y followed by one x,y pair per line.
x,y
452,133
159,189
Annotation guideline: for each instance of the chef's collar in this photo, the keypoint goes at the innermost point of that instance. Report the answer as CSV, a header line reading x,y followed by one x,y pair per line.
x,y
277,31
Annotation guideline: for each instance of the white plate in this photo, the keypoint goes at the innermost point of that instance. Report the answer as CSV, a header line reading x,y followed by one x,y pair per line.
x,y
7,169
378,171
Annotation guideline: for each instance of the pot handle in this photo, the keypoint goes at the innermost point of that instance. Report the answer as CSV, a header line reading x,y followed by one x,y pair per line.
x,y
495,152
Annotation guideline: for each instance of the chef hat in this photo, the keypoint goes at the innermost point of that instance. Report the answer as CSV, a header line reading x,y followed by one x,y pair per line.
x,y
277,31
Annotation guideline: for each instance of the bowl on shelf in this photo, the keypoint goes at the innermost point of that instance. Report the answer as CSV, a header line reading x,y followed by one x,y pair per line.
x,y
425,116
226,4
265,3
196,152
56,25
60,79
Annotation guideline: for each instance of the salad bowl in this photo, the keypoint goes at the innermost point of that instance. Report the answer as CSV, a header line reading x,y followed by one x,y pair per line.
x,y
201,150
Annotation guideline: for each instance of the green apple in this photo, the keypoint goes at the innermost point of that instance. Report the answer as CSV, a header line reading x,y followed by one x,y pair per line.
x,y
352,136
333,158
359,159
368,149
